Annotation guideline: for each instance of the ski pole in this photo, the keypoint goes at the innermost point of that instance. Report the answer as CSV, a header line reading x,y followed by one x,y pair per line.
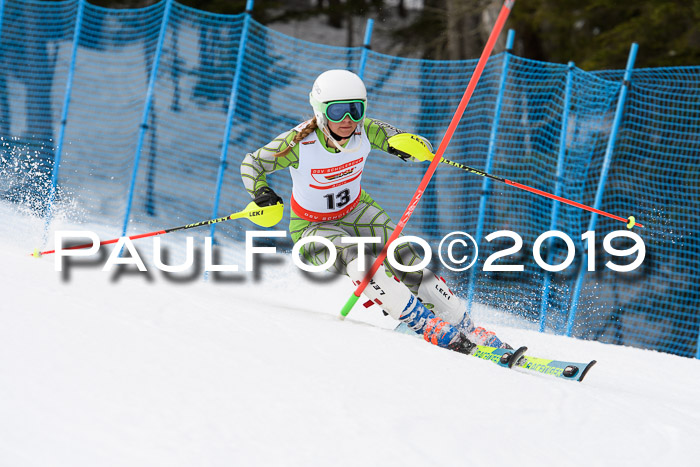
x,y
630,221
263,216
500,21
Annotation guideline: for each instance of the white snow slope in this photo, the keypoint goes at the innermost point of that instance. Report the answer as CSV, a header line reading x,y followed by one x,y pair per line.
x,y
104,371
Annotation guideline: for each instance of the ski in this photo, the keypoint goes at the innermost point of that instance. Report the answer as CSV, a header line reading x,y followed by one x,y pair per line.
x,y
574,371
502,357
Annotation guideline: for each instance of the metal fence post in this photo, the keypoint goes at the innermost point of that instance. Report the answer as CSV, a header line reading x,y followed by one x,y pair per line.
x,y
2,12
366,47
64,116
486,185
544,301
231,111
601,183
147,110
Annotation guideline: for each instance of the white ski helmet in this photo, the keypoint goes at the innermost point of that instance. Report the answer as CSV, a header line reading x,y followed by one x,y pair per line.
x,y
335,85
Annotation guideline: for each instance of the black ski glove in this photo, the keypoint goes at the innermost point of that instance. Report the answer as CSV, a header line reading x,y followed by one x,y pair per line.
x,y
265,196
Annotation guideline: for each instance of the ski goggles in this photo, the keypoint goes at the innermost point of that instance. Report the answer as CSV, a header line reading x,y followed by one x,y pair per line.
x,y
336,111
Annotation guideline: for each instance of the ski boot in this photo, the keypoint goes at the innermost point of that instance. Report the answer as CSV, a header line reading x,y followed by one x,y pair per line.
x,y
435,330
482,336
436,296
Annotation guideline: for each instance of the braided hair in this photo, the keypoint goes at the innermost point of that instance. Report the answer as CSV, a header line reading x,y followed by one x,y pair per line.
x,y
306,131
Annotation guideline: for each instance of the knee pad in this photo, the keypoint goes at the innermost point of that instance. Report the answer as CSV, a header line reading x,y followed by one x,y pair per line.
x,y
384,289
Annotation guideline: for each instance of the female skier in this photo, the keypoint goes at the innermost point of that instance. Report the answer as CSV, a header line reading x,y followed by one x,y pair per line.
x,y
325,157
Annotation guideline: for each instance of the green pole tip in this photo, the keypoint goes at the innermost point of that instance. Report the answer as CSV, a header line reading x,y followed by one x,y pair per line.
x,y
348,306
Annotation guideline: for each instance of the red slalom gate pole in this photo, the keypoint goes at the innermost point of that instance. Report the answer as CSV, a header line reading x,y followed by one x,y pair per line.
x,y
500,21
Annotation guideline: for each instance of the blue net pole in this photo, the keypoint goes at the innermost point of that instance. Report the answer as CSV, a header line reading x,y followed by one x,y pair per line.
x,y
544,301
146,112
619,112
366,47
486,185
64,117
2,11
231,111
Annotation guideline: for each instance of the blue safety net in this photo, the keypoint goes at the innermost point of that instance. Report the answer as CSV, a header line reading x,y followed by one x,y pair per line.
x,y
150,112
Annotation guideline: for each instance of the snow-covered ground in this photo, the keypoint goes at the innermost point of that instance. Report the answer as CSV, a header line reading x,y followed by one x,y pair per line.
x,y
138,370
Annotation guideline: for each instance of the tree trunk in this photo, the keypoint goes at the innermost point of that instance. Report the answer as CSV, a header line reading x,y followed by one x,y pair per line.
x,y
463,29
335,13
350,25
